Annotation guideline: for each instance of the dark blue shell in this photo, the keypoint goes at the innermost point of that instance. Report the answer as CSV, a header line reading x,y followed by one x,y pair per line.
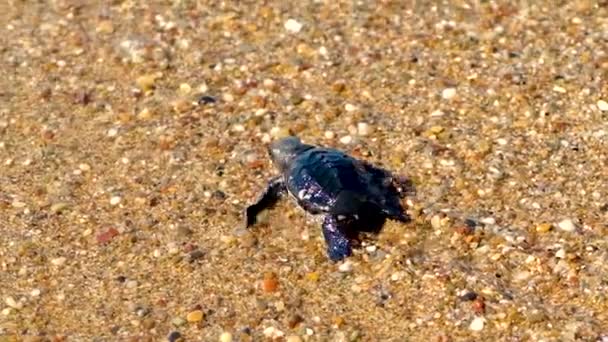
x,y
329,181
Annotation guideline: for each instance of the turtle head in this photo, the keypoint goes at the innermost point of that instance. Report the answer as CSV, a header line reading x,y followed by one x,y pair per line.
x,y
283,151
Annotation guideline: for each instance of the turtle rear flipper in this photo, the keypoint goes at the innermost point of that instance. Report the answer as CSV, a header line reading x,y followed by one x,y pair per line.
x,y
270,196
338,242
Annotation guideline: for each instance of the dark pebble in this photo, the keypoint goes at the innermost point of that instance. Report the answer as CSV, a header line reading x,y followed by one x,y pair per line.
x,y
206,99
174,336
469,296
196,254
121,279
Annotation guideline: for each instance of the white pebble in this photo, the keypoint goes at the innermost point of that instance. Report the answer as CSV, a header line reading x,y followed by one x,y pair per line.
x,y
363,129
350,107
567,225
293,25
346,266
84,167
559,89
561,254
115,200
477,324
329,135
347,139
131,284
10,301
437,113
448,93
273,332
35,293
112,132
226,337
371,249
488,220
602,105
59,261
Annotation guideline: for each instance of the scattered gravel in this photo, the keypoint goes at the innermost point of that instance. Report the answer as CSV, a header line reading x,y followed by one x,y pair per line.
x,y
128,156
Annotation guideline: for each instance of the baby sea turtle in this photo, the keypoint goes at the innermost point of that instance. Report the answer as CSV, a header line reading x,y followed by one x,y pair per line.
x,y
328,182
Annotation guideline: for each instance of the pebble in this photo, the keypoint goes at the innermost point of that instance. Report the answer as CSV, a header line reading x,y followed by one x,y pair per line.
x,y
567,225
350,107
293,338
270,282
131,284
560,254
195,316
346,266
84,167
59,261
10,301
273,332
57,208
329,135
174,336
112,132
107,236
477,323
178,321
146,82
226,337
544,227
279,132
448,93
35,293
347,139
363,129
293,26
114,200
602,105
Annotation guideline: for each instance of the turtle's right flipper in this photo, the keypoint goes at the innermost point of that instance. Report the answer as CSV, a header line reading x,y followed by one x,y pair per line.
x,y
275,189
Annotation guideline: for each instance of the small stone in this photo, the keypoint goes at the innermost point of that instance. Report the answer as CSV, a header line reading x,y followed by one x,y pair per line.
x,y
350,107
602,105
544,227
84,167
196,254
270,282
293,26
364,129
448,93
226,337
144,114
559,89
195,316
206,99
560,254
567,225
346,266
10,301
146,82
131,284
178,321
329,135
114,200
59,261
293,338
477,323
107,236
35,293
347,139
57,208
112,132
185,88
174,336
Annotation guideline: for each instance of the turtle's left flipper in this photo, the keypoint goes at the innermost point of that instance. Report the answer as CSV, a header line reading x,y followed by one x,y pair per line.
x,y
270,196
338,243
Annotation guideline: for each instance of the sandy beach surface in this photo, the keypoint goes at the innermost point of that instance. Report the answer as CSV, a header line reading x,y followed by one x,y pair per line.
x,y
134,133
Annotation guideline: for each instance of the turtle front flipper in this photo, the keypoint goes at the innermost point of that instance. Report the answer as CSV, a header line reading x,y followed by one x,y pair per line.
x,y
275,189
338,243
